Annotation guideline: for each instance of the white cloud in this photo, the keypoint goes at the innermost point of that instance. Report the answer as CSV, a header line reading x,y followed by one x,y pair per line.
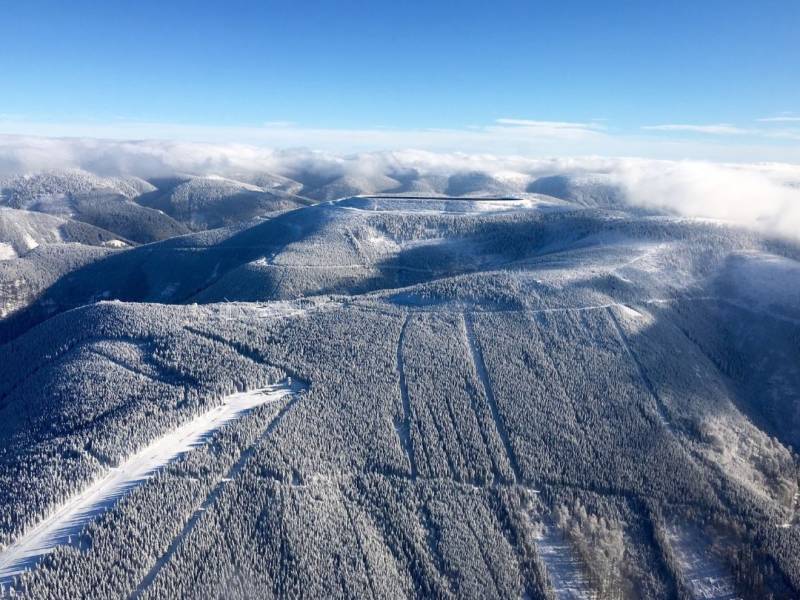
x,y
549,125
715,129
765,196
726,129
780,119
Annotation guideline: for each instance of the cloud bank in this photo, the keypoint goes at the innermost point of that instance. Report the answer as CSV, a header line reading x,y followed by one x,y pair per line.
x,y
765,196
775,139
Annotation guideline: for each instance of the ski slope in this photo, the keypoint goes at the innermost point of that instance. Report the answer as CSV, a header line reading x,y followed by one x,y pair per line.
x,y
69,519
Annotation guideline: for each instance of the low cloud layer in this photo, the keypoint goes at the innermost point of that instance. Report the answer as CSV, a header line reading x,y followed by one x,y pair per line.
x,y
768,139
764,196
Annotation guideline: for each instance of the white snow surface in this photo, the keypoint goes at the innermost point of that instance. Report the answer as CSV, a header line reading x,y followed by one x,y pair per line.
x,y
564,569
7,251
70,518
707,577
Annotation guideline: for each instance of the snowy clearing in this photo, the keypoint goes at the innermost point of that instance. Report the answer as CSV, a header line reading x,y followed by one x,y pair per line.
x,y
70,518
7,251
705,575
564,569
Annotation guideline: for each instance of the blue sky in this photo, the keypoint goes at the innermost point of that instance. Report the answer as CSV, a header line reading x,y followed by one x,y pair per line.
x,y
693,79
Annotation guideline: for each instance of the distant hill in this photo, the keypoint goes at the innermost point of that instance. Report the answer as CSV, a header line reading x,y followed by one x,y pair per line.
x,y
594,191
26,191
209,202
22,231
102,201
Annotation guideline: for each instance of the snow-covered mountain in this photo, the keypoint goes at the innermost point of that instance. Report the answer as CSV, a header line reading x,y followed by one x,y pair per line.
x,y
209,202
532,389
106,202
36,250
272,182
30,190
21,231
595,191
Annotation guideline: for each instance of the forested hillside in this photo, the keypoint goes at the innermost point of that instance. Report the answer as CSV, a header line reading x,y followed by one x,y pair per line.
x,y
530,397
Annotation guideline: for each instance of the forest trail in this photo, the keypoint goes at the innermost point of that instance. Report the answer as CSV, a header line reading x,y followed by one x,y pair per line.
x,y
70,518
662,413
404,428
483,378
